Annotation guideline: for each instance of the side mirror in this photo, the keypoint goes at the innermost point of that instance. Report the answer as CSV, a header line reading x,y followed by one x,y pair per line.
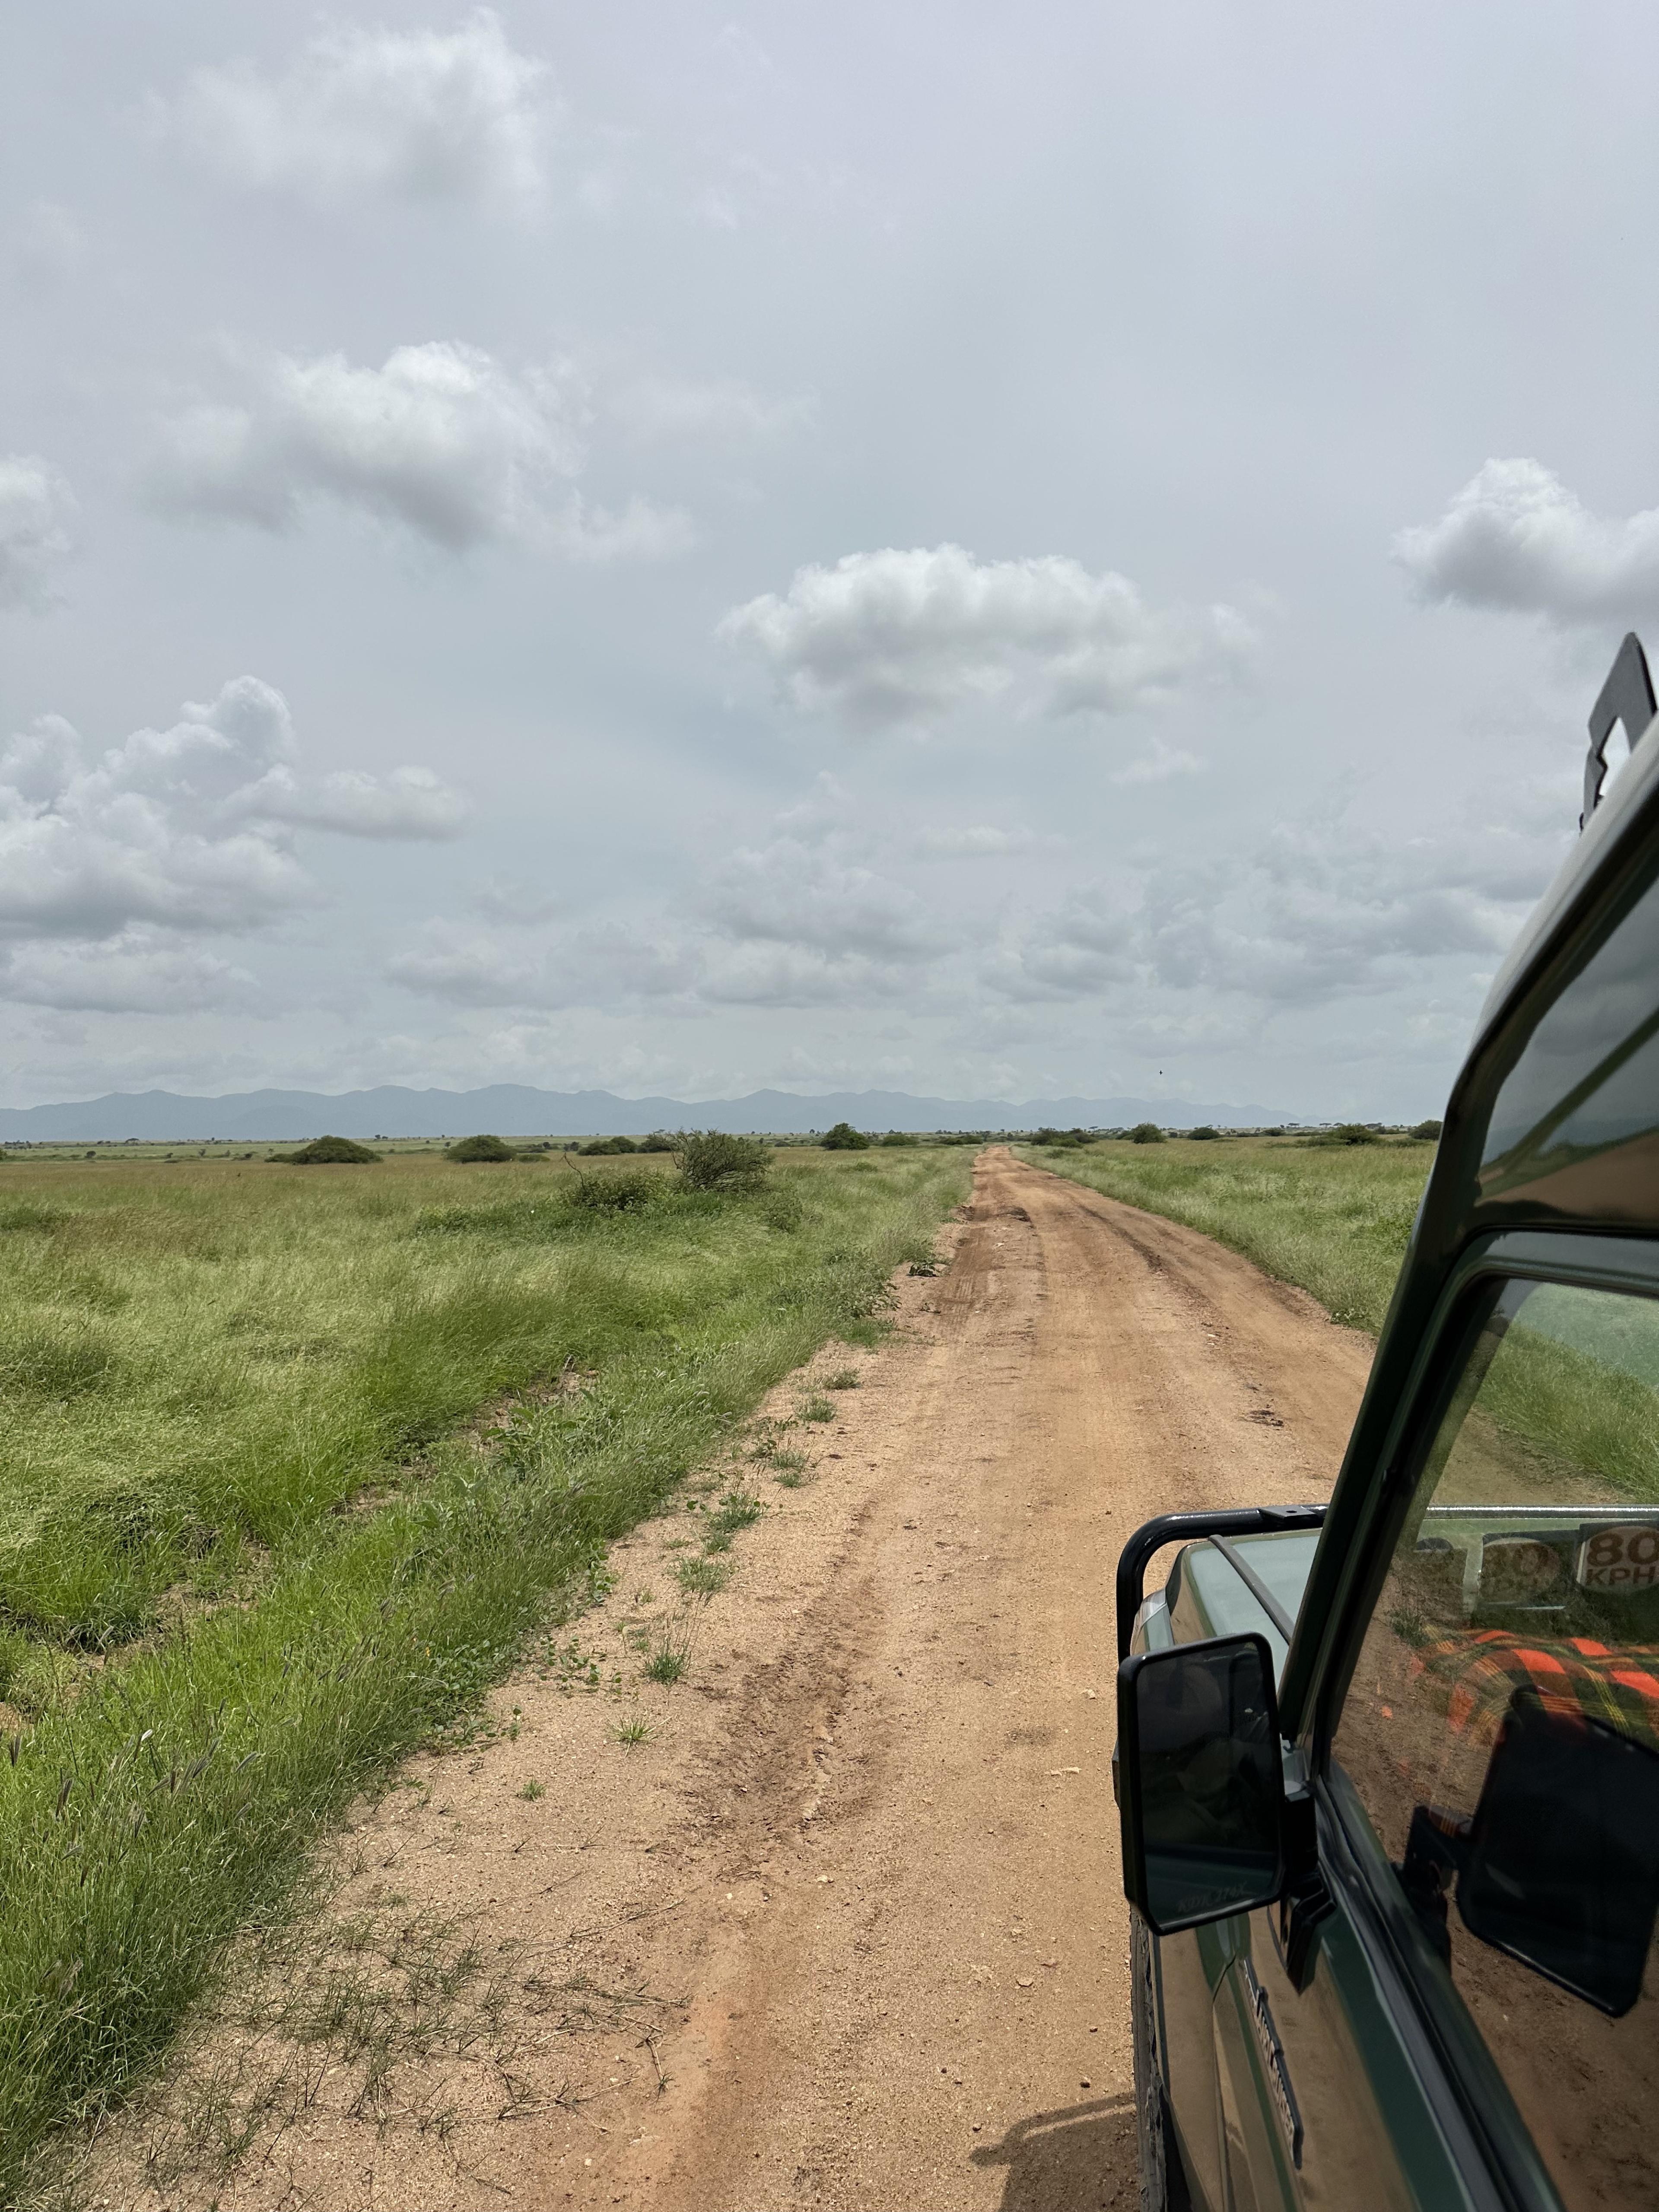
x,y
1561,1868
1202,1783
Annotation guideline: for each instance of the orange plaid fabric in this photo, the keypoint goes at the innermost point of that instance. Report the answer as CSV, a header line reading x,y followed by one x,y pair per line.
x,y
1480,1671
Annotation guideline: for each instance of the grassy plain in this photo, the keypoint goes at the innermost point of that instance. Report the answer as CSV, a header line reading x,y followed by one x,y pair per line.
x,y
256,1541
1334,1218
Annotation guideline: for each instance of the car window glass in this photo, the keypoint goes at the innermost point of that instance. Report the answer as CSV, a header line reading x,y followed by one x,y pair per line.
x,y
1502,1726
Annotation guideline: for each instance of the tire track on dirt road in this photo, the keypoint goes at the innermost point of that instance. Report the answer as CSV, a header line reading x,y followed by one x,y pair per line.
x,y
847,1931
944,2023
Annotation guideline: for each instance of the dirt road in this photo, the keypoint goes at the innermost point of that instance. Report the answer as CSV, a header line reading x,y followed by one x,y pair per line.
x,y
845,1928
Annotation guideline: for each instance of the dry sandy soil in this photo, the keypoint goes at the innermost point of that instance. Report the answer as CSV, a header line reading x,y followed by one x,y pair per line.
x,y
845,1929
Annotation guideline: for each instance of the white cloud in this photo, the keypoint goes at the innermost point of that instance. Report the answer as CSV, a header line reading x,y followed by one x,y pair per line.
x,y
790,923
905,637
1085,947
189,829
422,114
1323,911
133,973
410,802
1515,537
1318,911
442,439
797,893
595,967
1156,765
35,504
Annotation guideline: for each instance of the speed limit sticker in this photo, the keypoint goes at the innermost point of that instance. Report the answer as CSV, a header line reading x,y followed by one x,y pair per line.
x,y
1622,1559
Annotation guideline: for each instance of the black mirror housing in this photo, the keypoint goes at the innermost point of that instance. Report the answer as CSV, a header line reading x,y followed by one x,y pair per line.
x,y
1561,1868
1201,1782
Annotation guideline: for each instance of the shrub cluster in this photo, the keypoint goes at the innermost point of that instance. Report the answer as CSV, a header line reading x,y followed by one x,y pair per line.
x,y
481,1150
713,1159
844,1138
616,1193
328,1153
1146,1132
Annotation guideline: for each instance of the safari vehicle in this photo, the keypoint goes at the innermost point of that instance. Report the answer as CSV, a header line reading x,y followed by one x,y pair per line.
x,y
1388,1770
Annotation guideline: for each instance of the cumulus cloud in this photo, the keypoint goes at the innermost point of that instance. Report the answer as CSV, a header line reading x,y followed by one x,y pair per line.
x,y
189,829
596,967
1516,537
1321,912
797,893
1318,912
135,972
793,923
1088,944
895,637
431,115
35,505
442,439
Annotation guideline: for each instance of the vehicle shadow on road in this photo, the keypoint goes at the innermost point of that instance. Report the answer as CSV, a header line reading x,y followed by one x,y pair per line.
x,y
1080,2156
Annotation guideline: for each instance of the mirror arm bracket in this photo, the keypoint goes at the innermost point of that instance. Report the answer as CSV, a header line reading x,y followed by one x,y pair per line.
x,y
1306,1902
1191,1528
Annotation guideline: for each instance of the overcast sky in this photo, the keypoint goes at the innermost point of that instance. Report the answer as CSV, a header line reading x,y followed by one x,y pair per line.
x,y
974,550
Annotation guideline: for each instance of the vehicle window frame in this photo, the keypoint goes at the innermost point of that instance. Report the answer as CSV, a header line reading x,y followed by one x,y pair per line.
x,y
1474,1286
1465,1305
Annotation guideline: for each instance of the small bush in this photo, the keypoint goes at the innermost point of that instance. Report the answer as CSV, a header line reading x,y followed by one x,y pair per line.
x,y
1427,1129
712,1159
901,1137
1346,1132
737,1509
1146,1132
26,1213
664,1665
601,1147
844,1138
1204,1133
701,1578
480,1149
328,1153
617,1194
783,1210
658,1142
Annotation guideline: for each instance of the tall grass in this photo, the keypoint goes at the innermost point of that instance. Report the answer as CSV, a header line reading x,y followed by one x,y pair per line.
x,y
294,1569
1336,1220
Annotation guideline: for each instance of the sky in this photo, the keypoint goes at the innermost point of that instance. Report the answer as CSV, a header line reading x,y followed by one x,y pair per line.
x,y
988,552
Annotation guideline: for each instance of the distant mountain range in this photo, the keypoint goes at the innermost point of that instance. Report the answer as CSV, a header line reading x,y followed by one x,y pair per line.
x,y
513,1110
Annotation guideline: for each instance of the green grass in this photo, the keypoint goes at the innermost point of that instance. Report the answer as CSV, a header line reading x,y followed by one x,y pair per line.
x,y
1334,1219
250,1552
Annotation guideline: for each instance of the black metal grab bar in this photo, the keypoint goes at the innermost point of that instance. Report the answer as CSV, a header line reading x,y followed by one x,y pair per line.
x,y
1191,1528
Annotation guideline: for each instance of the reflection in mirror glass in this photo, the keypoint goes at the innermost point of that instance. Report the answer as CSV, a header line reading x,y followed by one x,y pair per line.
x,y
1209,1776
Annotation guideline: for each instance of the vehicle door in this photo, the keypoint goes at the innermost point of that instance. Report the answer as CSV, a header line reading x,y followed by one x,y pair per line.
x,y
1491,1801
